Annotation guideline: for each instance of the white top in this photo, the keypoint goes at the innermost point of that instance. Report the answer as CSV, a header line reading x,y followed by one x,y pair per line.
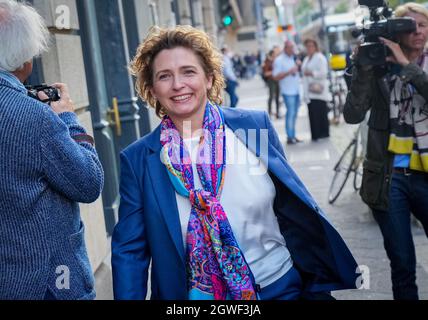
x,y
318,65
247,199
290,85
228,72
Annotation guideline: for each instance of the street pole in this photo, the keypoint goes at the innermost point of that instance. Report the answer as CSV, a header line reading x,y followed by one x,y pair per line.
x,y
324,30
325,37
260,33
325,40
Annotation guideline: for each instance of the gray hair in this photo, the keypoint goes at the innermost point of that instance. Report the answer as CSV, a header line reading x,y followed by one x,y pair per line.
x,y
23,35
406,8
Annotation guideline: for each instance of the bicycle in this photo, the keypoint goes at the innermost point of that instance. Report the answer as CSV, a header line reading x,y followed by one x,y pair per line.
x,y
338,91
350,161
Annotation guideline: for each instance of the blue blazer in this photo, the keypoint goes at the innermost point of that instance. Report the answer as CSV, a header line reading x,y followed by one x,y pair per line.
x,y
149,228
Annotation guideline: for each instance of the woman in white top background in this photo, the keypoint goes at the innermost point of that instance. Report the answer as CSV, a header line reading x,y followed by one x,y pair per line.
x,y
316,89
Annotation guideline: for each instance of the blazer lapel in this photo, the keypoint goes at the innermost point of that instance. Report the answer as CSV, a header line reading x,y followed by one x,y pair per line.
x,y
164,193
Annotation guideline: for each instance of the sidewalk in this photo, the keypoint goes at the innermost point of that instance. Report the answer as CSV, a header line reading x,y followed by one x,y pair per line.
x,y
314,164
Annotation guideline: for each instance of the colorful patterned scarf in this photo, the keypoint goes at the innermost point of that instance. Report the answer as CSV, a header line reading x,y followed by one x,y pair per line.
x,y
409,121
216,267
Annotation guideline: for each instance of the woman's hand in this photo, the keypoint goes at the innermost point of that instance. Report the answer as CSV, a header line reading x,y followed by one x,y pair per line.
x,y
308,73
398,56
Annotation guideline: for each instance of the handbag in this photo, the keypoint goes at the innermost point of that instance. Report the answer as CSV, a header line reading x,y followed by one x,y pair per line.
x,y
316,87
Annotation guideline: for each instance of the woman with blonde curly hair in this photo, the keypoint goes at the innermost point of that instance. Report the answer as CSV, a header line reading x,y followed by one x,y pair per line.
x,y
208,198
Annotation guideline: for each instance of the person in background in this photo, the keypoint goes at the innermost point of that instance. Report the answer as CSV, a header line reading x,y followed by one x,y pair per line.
x,y
395,176
229,75
286,71
48,164
212,227
272,84
238,65
316,89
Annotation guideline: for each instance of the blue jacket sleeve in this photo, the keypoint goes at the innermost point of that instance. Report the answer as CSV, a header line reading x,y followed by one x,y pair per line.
x,y
130,252
71,168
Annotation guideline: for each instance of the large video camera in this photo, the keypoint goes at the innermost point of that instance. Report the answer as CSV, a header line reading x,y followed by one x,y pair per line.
x,y
51,92
372,52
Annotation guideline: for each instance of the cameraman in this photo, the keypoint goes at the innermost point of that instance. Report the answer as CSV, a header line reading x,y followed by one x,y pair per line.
x,y
47,164
395,179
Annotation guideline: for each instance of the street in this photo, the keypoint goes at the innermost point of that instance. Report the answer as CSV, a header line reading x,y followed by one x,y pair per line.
x,y
314,164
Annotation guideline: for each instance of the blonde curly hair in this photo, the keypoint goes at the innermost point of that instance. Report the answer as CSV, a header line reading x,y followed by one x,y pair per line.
x,y
188,37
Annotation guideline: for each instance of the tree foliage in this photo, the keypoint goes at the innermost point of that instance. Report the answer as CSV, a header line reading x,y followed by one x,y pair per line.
x,y
304,6
395,3
342,7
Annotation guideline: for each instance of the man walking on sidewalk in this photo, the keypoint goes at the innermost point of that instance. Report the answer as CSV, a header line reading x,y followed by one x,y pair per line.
x,y
230,77
286,71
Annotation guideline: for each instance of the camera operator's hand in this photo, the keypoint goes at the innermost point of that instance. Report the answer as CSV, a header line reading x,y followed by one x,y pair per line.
x,y
65,104
398,56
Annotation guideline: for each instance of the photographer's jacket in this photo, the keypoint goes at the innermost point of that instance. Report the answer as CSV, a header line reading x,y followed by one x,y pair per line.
x,y
372,92
44,172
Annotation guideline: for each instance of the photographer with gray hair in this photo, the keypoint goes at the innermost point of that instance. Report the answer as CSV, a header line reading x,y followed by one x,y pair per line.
x,y
47,165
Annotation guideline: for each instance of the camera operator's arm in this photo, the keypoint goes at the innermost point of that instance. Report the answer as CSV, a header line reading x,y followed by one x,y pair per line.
x,y
70,162
398,56
417,77
358,100
410,72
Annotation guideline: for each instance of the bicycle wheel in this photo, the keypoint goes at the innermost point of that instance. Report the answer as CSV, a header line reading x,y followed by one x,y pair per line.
x,y
357,165
341,172
358,177
336,108
342,99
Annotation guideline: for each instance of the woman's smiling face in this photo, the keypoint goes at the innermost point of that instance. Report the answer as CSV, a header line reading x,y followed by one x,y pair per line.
x,y
180,84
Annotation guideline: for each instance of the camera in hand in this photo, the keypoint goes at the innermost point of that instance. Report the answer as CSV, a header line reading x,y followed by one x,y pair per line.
x,y
51,92
372,52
